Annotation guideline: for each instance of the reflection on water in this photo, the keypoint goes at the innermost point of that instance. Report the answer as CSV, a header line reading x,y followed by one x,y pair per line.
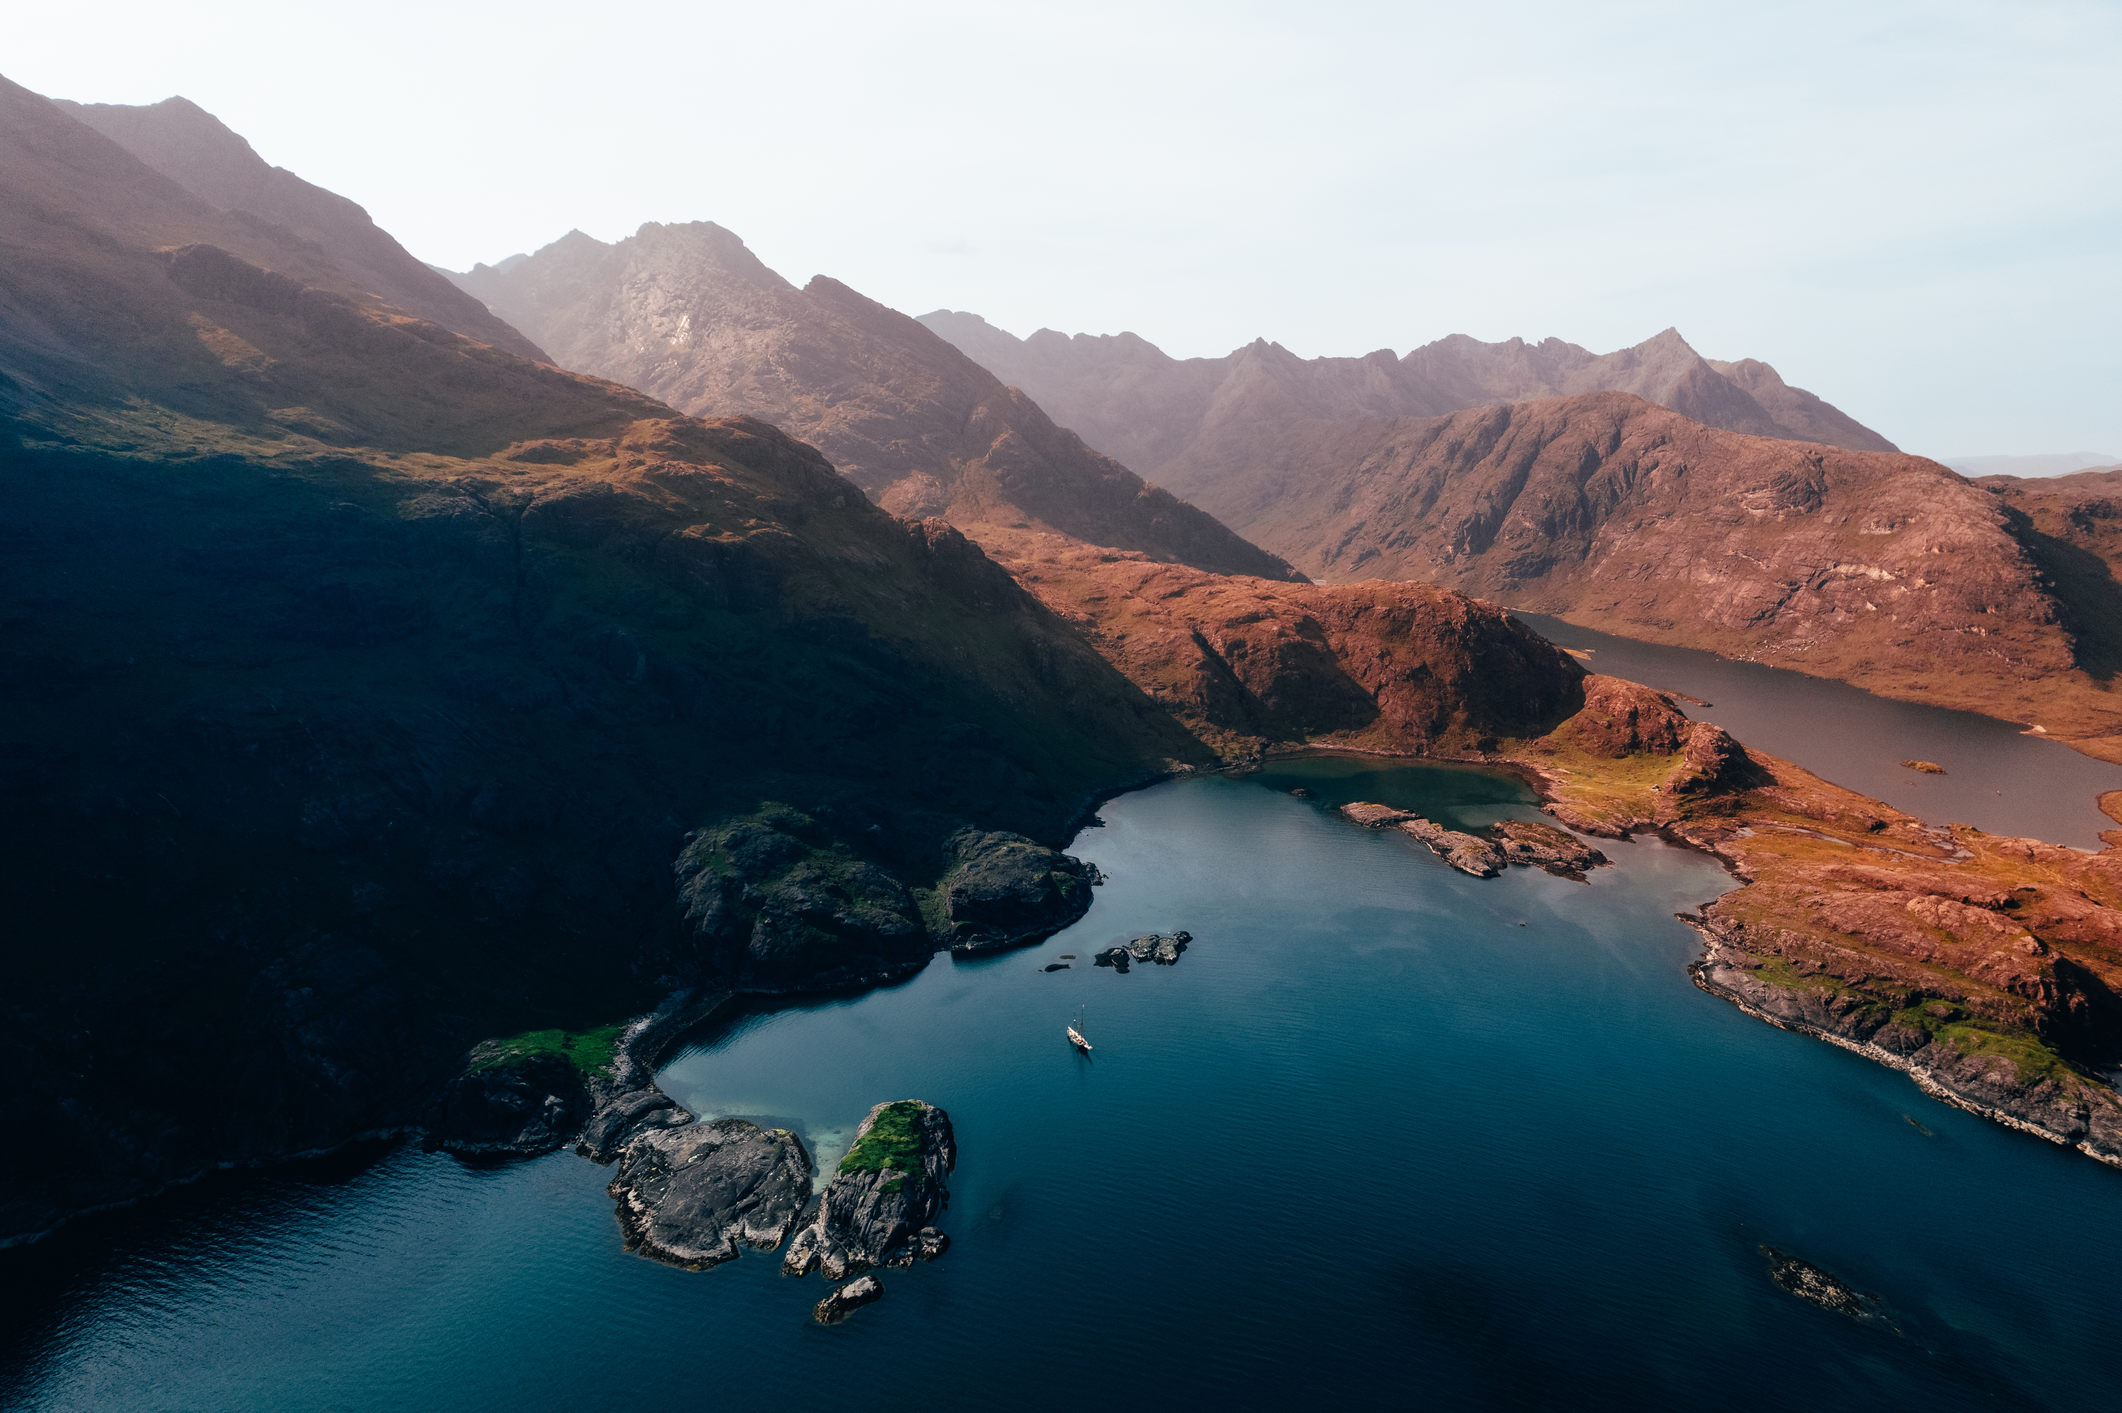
x,y
1371,1142
1997,777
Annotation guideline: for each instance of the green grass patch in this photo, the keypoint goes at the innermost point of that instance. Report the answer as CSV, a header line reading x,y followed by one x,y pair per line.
x,y
892,1145
2033,1060
590,1051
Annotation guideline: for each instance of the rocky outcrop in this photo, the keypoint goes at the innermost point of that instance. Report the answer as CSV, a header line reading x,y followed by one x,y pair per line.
x,y
514,1108
1945,1042
1003,889
1485,855
844,1300
1542,845
1161,948
1815,1286
773,898
881,1206
1467,853
694,1196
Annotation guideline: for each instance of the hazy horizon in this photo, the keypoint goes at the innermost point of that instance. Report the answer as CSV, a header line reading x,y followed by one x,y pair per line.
x,y
1912,214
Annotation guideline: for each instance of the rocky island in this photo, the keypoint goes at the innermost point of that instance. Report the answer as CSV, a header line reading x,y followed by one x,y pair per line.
x,y
881,1207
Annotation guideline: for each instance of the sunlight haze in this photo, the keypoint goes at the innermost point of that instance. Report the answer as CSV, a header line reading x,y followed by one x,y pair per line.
x,y
1911,209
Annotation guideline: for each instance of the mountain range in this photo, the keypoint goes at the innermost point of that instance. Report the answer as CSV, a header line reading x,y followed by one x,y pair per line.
x,y
687,313
1660,496
1174,419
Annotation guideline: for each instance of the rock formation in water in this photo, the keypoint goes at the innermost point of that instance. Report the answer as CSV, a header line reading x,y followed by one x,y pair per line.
x,y
1161,948
1487,854
844,1300
1815,1286
1171,419
881,1207
688,314
1004,889
695,1196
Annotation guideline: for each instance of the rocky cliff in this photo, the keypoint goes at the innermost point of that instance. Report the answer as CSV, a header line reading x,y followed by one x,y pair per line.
x,y
687,313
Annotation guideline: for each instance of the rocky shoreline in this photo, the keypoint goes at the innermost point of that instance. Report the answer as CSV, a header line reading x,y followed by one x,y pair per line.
x,y
1985,1089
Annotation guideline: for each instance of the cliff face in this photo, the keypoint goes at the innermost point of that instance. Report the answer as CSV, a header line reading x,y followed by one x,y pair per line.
x,y
362,683
1177,420
688,314
194,149
2072,526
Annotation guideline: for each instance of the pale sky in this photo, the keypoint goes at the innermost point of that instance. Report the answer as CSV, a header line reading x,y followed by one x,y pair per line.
x,y
1913,209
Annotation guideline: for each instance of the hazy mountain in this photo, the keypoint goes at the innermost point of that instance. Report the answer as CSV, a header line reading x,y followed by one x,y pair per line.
x,y
2057,463
1175,419
193,148
687,313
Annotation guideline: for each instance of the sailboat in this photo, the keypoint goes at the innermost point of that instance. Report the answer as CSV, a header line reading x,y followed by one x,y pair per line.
x,y
1075,1034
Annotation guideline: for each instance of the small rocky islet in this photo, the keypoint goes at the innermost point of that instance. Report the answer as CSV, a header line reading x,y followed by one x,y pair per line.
x,y
1161,948
695,1195
1487,854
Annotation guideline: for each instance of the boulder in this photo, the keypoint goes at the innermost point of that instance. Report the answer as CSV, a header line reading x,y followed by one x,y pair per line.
x,y
694,1195
881,1206
837,1304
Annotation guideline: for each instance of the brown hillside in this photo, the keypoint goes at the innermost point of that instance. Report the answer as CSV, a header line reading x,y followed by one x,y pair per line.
x,y
196,150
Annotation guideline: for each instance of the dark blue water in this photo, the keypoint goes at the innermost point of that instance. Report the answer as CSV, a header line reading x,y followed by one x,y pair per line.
x,y
1386,1136
1998,777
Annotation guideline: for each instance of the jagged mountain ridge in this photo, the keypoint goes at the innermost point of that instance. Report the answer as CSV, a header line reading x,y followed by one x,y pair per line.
x,y
690,315
193,148
1166,416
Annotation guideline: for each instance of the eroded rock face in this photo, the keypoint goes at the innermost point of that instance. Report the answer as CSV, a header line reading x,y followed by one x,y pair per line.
x,y
694,1196
881,1206
1004,889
